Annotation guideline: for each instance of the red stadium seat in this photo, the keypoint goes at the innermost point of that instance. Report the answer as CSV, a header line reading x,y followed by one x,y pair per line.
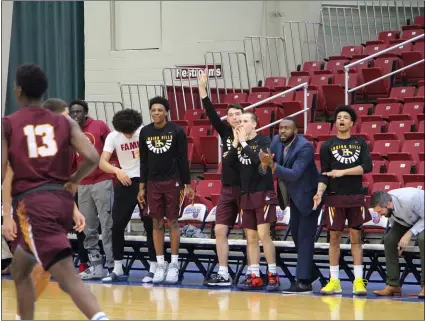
x,y
273,82
384,186
267,115
312,66
387,109
379,166
320,78
383,147
334,94
260,90
350,51
411,33
414,180
400,168
192,98
258,96
175,98
196,132
206,188
403,48
419,21
362,65
384,182
416,72
212,176
208,146
399,128
362,109
413,109
284,98
388,35
413,147
382,66
235,98
370,128
298,77
315,129
372,48
290,108
337,64
193,114
398,94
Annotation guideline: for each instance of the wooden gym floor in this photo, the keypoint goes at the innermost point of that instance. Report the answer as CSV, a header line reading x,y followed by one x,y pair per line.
x,y
135,302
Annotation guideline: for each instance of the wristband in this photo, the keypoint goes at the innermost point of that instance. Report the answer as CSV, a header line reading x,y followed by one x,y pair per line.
x,y
244,144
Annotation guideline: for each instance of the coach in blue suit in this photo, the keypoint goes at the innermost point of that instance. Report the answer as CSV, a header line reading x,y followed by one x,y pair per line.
x,y
291,158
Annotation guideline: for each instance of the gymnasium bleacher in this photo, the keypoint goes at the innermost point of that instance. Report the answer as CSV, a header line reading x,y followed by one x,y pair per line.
x,y
391,119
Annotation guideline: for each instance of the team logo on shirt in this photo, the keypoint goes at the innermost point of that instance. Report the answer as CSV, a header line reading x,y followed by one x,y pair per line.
x,y
159,144
346,154
243,158
229,143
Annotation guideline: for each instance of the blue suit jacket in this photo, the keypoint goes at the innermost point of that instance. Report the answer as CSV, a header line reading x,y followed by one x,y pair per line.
x,y
299,171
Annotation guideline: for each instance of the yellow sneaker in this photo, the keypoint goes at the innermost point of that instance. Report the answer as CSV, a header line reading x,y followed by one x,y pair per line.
x,y
333,287
359,287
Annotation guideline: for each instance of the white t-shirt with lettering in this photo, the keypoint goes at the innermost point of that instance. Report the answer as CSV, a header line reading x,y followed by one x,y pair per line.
x,y
127,151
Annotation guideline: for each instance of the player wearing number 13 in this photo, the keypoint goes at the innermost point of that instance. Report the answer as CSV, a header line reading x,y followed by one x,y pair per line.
x,y
37,143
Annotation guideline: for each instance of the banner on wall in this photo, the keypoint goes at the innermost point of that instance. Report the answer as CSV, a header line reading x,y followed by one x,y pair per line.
x,y
193,71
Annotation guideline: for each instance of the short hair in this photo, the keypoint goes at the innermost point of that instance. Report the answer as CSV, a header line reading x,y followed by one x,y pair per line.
x,y
234,106
292,119
380,198
81,103
55,105
32,80
127,121
253,116
347,109
159,100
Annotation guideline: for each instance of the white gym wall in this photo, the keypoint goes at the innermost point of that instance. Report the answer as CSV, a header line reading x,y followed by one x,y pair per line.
x,y
182,30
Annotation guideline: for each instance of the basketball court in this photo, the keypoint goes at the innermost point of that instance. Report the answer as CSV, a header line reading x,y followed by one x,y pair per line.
x,y
134,301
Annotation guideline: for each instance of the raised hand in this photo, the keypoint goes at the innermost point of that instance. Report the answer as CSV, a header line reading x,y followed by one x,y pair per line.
x,y
203,79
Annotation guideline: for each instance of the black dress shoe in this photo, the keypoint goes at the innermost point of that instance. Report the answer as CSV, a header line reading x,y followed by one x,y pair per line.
x,y
299,287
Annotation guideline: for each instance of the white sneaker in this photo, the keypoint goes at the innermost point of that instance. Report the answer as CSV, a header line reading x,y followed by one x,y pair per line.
x,y
160,273
172,274
93,273
149,277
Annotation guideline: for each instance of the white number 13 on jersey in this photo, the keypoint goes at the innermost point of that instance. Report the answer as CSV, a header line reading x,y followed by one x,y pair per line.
x,y
47,132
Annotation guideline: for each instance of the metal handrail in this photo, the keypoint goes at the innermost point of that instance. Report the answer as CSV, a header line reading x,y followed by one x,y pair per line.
x,y
304,86
347,67
386,75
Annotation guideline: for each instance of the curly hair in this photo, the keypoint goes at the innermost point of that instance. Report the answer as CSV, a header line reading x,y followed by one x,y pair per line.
x,y
127,121
347,109
32,80
159,100
81,103
55,105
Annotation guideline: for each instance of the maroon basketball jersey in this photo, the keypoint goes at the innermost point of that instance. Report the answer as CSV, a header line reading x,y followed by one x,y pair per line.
x,y
39,148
